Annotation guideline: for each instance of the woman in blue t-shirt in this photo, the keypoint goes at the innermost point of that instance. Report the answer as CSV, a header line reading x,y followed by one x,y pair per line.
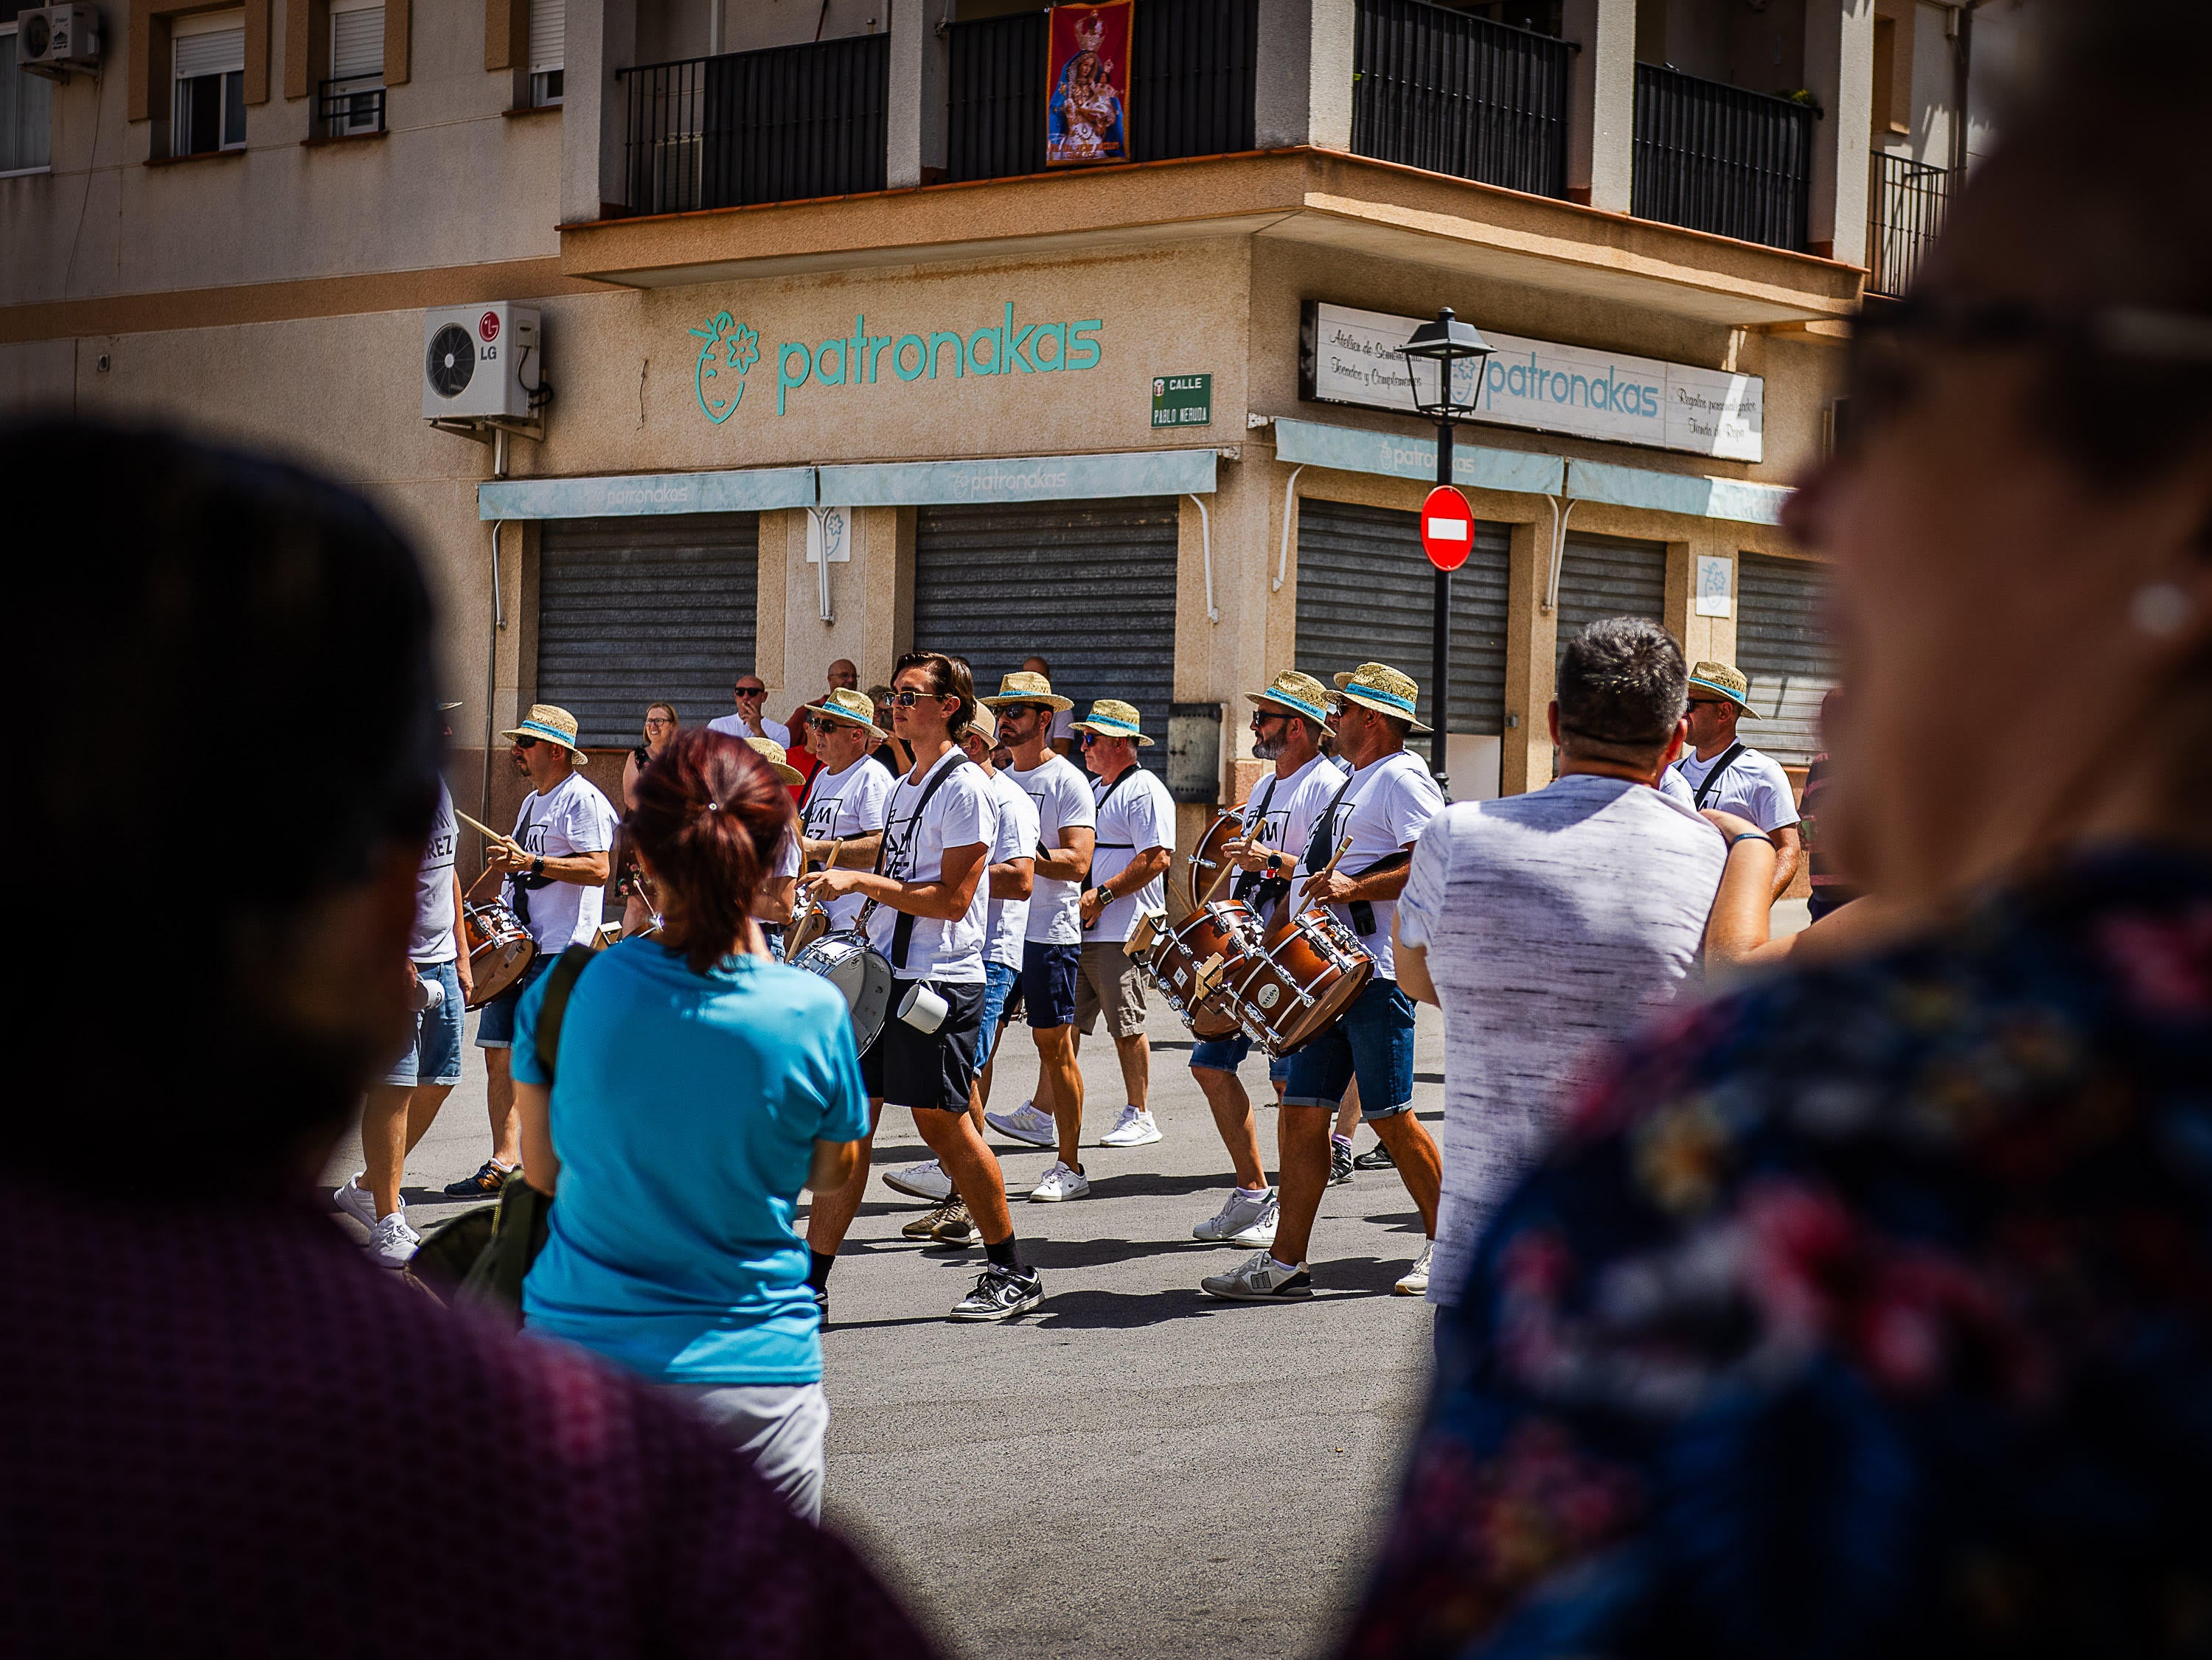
x,y
671,1251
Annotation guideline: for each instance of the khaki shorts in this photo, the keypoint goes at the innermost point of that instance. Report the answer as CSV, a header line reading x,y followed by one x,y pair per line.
x,y
1106,978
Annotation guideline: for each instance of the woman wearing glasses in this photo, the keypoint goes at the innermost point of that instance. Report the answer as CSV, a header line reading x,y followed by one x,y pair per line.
x,y
659,727
1865,1311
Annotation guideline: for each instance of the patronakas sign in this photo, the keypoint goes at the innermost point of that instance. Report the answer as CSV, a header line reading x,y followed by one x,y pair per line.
x,y
862,359
1348,356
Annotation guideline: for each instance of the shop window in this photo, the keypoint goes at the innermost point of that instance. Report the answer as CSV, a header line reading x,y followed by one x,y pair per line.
x,y
353,98
549,42
207,108
25,108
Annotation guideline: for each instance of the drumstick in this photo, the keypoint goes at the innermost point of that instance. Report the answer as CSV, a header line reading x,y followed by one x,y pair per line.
x,y
1343,848
483,830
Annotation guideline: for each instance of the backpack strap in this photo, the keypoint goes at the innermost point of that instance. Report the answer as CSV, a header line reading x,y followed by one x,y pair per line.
x,y
1131,772
558,985
902,929
1727,761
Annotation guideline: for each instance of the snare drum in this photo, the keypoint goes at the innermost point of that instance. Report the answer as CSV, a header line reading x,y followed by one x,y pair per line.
x,y
1206,858
500,950
1187,964
861,974
1293,986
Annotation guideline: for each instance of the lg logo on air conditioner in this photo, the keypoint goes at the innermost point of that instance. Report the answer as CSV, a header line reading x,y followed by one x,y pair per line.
x,y
487,327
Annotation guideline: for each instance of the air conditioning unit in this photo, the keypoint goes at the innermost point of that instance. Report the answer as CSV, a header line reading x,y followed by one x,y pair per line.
x,y
483,363
51,41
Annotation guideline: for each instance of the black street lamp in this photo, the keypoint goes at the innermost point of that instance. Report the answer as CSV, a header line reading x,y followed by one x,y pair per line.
x,y
1438,356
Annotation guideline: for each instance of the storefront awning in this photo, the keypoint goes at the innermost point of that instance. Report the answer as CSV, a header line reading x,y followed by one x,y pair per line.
x,y
1021,478
743,490
1357,449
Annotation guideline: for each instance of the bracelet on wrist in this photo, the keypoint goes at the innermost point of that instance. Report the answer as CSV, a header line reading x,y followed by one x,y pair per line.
x,y
1751,835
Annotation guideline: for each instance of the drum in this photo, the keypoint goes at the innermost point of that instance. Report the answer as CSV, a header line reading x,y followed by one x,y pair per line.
x,y
808,923
861,974
1187,963
1146,931
1303,974
500,949
1205,860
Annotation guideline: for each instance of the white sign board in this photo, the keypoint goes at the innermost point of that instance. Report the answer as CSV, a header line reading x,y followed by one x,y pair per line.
x,y
1714,571
1348,356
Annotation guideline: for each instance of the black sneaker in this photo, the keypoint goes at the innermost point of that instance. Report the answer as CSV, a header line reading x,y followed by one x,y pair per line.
x,y
1376,1157
1340,1162
1000,1293
821,1302
491,1177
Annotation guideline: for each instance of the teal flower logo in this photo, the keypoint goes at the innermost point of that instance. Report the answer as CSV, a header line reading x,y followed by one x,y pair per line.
x,y
720,375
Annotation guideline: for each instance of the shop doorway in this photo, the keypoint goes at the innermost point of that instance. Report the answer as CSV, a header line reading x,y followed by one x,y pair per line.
x,y
1784,652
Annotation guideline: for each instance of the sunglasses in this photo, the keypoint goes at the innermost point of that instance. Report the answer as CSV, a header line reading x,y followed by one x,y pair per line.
x,y
908,699
1262,716
753,691
1708,703
526,743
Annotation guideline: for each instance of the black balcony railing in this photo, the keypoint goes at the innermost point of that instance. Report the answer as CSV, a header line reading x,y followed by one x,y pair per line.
x,y
1718,158
1905,203
349,107
782,125
1190,86
1453,93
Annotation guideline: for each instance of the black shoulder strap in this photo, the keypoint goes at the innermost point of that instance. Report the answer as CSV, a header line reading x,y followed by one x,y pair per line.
x,y
903,928
1727,761
558,985
1133,769
1322,842
1249,882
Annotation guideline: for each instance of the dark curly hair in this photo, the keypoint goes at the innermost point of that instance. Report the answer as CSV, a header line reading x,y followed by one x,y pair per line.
x,y
710,818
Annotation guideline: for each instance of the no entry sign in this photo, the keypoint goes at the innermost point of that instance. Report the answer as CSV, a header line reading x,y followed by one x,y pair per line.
x,y
1447,528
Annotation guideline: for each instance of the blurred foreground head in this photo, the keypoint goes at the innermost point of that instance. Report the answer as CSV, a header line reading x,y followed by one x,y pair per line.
x,y
219,867
2022,520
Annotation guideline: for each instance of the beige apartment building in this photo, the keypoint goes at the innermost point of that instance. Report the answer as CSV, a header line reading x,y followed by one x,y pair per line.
x,y
828,363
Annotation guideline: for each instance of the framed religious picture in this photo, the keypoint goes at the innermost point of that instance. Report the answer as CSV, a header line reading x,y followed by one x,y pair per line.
x,y
1087,84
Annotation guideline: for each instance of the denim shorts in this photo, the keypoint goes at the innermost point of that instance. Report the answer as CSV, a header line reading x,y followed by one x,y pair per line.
x,y
434,1056
495,1021
1373,1042
1049,983
1227,1054
998,979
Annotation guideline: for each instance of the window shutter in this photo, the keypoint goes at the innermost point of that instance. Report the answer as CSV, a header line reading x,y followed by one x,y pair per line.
x,y
548,34
212,51
357,42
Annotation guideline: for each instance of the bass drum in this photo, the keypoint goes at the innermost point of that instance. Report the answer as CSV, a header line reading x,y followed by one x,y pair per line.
x,y
1206,860
1189,964
500,950
1302,976
861,974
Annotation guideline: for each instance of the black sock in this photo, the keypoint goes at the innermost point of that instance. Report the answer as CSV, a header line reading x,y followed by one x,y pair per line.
x,y
817,1271
1002,1255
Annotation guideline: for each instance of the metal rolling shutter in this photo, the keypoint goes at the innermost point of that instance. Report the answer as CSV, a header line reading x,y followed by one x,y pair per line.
x,y
1785,653
1602,577
1089,586
630,610
1367,594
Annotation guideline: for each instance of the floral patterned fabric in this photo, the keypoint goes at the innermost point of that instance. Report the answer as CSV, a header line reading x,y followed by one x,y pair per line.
x,y
1866,1312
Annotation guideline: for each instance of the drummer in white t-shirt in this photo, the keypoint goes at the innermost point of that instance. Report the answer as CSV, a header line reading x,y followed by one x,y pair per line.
x,y
1718,770
772,900
929,921
843,811
1062,738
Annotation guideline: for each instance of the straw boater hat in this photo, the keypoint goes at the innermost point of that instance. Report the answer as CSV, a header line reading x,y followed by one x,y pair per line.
x,y
1302,695
1725,680
1026,687
1379,687
549,724
1110,718
986,723
853,708
772,752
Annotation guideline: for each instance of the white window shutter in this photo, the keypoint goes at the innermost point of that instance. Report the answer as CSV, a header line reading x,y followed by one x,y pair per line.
x,y
548,34
210,52
358,42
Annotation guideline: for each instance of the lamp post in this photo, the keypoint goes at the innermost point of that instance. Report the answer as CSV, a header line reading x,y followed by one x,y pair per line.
x,y
1433,355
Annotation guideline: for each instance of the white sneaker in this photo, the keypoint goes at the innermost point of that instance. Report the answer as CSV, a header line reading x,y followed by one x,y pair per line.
x,y
926,1180
1416,1280
1259,1280
1238,1220
1026,1124
1135,1129
356,1202
1062,1183
391,1242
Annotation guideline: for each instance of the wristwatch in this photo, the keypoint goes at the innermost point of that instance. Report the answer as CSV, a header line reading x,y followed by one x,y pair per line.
x,y
1100,894
537,865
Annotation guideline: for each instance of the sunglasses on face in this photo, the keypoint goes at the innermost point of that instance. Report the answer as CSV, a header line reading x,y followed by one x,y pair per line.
x,y
1707,703
1262,716
908,699
753,691
526,743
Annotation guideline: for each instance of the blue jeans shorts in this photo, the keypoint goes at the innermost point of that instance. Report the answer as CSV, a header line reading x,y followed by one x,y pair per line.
x,y
1373,1042
998,979
434,1056
1049,983
495,1021
1227,1054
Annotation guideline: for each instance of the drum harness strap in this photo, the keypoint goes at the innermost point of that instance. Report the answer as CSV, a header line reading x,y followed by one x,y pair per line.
x,y
1100,846
1322,844
1713,778
1262,892
902,929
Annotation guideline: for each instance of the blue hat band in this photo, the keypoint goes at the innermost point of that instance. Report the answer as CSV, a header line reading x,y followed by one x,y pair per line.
x,y
1299,704
1117,725
545,732
1381,696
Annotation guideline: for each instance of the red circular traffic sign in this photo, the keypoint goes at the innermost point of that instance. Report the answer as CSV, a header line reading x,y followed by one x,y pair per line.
x,y
1447,528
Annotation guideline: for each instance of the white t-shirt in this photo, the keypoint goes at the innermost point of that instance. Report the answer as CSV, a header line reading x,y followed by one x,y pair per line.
x,y
1754,787
1061,795
847,803
1554,923
1063,726
961,813
1006,922
736,727
1138,817
1389,804
788,862
571,818
1672,787
431,938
